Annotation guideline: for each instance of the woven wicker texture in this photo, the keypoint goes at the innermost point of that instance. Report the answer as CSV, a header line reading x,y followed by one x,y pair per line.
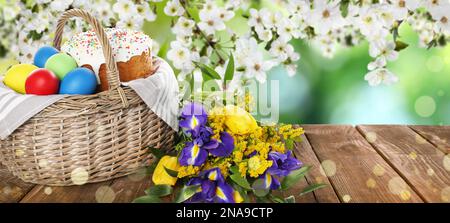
x,y
102,136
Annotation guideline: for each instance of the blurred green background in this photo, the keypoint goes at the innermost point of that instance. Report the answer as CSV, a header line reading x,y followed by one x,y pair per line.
x,y
334,90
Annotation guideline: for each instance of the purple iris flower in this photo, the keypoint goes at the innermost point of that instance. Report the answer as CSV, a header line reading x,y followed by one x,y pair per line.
x,y
194,153
213,188
204,135
283,164
225,146
270,182
193,117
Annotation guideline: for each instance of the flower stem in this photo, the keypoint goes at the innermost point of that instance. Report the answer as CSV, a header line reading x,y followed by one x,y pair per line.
x,y
212,45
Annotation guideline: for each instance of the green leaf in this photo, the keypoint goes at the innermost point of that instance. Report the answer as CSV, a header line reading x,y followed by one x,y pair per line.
x,y
158,153
171,173
262,200
229,72
159,190
259,188
289,143
312,188
186,192
147,199
239,180
209,71
290,199
344,7
294,177
234,169
399,45
277,199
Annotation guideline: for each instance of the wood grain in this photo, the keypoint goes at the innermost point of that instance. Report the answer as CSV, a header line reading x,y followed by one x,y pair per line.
x,y
372,162
420,163
439,136
131,187
354,159
305,153
70,194
12,189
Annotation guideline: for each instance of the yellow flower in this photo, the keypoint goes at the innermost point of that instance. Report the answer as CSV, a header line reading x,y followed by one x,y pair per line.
x,y
185,171
257,165
239,121
243,169
237,197
160,176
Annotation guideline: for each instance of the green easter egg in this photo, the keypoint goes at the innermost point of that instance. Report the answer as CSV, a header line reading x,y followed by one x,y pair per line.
x,y
61,64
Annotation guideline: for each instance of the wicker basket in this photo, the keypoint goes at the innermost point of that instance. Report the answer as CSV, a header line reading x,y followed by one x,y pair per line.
x,y
85,139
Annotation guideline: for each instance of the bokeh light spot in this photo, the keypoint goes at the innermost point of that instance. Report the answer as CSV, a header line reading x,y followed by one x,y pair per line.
x,y
435,64
105,194
413,155
328,168
405,195
446,162
430,172
378,170
425,106
371,137
19,152
79,176
7,190
43,163
48,190
397,185
346,198
445,194
371,183
139,175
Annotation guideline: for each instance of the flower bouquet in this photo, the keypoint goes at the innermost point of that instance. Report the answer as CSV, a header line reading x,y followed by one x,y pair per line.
x,y
224,156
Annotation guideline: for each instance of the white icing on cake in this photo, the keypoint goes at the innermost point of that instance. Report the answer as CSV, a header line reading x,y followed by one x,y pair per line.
x,y
85,47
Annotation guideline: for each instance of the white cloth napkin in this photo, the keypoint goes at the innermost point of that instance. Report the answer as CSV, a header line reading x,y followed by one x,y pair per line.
x,y
159,91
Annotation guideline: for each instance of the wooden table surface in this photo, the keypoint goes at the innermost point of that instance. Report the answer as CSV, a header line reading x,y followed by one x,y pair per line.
x,y
366,163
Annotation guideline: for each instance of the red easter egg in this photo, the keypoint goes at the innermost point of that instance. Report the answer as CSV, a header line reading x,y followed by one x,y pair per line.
x,y
42,82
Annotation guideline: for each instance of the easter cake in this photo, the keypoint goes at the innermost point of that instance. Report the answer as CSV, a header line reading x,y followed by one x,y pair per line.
x,y
131,50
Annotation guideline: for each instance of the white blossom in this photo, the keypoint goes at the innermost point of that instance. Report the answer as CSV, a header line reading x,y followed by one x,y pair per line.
x,y
256,67
60,5
174,8
183,27
210,22
326,16
145,11
181,56
381,75
131,23
125,9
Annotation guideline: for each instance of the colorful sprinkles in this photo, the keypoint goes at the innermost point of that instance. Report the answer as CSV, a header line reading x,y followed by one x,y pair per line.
x,y
87,50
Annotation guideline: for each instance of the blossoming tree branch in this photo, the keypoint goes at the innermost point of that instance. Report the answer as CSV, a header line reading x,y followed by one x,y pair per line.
x,y
204,36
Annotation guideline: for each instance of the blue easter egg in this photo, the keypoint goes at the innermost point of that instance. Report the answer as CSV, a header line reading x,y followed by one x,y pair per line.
x,y
42,55
79,81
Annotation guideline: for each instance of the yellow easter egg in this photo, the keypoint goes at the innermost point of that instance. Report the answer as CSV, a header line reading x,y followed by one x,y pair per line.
x,y
17,75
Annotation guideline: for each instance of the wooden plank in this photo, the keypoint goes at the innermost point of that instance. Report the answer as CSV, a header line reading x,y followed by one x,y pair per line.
x,y
69,194
439,136
12,189
420,164
357,172
305,153
131,187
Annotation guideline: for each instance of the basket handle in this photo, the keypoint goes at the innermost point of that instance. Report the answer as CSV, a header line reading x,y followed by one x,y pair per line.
x,y
112,73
